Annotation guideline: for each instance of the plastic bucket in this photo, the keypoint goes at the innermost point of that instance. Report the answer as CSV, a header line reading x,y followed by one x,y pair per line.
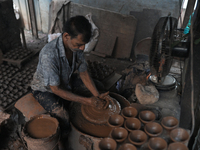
x,y
41,132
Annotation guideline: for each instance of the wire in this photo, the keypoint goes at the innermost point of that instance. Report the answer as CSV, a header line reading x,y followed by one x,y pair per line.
x,y
191,76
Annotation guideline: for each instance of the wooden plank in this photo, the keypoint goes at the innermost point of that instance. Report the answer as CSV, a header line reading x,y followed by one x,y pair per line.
x,y
106,43
29,106
98,54
33,18
109,83
121,26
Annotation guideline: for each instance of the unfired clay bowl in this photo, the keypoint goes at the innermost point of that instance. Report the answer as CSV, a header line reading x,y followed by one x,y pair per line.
x,y
157,143
132,124
107,144
147,116
119,134
129,112
177,146
115,120
179,135
169,122
127,146
153,129
137,137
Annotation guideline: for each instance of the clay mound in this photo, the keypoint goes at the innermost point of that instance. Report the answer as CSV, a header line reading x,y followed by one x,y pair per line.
x,y
100,116
146,94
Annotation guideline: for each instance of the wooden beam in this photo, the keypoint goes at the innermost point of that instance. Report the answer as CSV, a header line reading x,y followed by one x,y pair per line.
x,y
31,8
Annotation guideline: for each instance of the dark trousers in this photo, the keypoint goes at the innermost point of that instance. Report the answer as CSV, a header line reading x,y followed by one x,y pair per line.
x,y
57,106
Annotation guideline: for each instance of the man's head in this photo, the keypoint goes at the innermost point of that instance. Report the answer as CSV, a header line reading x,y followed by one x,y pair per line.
x,y
77,32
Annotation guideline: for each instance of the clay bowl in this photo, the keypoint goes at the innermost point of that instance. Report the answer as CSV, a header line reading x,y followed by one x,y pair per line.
x,y
119,134
129,112
157,143
107,144
169,122
147,116
127,146
177,146
153,129
137,137
132,124
179,135
115,120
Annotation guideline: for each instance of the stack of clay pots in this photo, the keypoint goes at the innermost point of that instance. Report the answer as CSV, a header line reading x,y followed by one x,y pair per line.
x,y
134,130
99,71
14,83
18,53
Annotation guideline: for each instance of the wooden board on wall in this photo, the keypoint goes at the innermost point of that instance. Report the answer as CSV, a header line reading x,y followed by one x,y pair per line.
x,y
106,43
121,26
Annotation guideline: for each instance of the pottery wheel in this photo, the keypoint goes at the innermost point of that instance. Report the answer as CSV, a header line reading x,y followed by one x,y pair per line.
x,y
100,116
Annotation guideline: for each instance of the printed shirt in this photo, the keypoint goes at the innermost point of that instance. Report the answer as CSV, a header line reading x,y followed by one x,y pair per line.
x,y
53,67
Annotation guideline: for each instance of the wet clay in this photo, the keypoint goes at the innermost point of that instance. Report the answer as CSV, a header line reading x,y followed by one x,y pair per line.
x,y
87,127
41,128
100,116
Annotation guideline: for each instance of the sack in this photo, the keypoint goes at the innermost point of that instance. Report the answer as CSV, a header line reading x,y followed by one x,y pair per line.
x,y
95,34
53,36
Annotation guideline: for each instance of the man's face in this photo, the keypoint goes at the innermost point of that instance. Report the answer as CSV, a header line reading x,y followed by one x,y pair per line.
x,y
74,44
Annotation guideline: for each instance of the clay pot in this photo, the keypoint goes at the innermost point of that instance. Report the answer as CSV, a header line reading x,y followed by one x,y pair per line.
x,y
157,143
115,120
132,124
153,129
127,146
147,116
179,135
177,146
137,137
107,144
119,134
129,112
169,122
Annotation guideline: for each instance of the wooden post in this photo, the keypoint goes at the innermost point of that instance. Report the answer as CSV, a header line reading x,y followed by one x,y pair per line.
x,y
33,18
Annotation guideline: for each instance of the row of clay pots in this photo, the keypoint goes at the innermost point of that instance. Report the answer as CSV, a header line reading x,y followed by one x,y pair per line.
x,y
155,143
137,137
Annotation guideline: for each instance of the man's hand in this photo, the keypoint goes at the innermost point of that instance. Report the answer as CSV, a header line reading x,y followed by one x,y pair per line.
x,y
103,95
98,103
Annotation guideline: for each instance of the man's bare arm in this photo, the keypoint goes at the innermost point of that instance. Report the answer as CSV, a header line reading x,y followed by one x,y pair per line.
x,y
85,77
72,97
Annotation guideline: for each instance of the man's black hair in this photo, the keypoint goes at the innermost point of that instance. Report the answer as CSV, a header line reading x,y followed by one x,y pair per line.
x,y
78,25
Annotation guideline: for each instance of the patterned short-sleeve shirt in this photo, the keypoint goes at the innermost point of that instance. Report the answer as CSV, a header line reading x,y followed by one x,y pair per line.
x,y
53,67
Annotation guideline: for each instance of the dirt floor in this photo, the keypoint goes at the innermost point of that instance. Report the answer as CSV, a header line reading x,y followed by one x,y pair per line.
x,y
10,130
